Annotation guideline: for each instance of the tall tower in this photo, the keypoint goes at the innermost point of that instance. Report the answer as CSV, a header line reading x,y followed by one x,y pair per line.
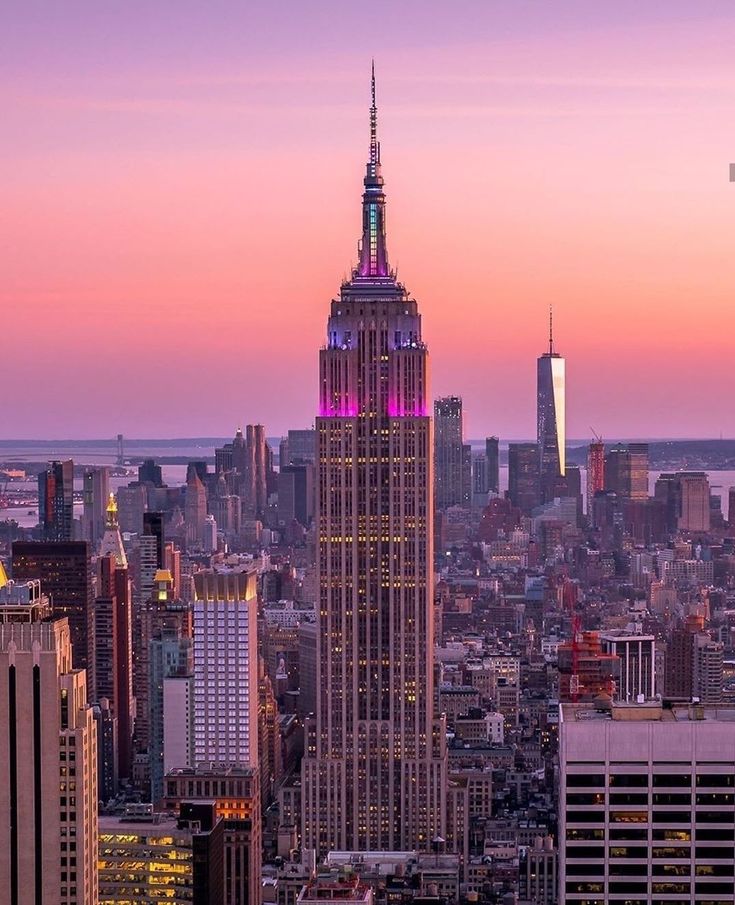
x,y
48,758
449,480
375,765
551,417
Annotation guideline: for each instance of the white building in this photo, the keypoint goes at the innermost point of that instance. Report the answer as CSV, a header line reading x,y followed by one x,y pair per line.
x,y
225,668
178,719
647,803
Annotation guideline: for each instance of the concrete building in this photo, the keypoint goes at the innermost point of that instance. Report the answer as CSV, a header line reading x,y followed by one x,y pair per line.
x,y
646,803
523,476
449,470
235,791
147,858
225,668
694,506
539,879
48,759
96,492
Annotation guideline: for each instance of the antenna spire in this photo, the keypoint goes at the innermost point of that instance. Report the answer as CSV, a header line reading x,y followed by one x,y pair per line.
x,y
374,144
551,330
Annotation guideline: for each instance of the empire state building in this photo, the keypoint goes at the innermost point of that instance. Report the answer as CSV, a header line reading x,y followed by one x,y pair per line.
x,y
375,765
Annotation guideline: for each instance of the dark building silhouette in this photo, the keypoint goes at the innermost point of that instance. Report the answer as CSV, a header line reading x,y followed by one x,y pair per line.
x,y
492,454
64,569
523,476
150,473
451,482
56,501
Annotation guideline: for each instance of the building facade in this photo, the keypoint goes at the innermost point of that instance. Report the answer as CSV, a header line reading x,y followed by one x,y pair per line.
x,y
375,768
225,668
48,760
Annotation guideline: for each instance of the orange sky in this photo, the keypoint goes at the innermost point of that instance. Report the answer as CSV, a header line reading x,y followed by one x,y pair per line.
x,y
180,203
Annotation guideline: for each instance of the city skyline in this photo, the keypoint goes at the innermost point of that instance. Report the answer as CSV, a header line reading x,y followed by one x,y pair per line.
x,y
151,206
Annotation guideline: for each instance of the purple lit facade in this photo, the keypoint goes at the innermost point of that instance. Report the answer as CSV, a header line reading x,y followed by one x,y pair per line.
x,y
375,770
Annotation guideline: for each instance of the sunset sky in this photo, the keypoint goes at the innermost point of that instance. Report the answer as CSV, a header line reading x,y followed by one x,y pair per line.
x,y
180,198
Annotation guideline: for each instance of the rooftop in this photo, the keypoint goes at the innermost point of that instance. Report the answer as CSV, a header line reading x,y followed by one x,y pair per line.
x,y
649,711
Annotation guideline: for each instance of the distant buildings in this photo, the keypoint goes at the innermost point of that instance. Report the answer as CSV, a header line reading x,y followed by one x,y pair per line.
x,y
595,472
626,471
96,492
551,419
492,455
56,501
451,481
523,476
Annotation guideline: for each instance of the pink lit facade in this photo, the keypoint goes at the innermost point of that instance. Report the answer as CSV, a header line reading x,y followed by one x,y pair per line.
x,y
375,765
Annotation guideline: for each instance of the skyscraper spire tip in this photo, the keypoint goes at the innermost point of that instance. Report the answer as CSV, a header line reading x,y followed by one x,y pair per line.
x,y
551,330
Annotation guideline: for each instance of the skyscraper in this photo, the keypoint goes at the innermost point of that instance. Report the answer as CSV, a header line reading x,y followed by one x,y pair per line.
x,y
595,471
96,491
626,471
449,455
492,453
65,568
113,651
523,476
48,759
56,501
551,417
375,768
225,668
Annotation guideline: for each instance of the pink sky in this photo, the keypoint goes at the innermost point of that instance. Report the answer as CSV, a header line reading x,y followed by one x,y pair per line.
x,y
181,189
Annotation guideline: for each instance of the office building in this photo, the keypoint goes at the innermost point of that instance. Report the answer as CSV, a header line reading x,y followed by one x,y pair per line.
x,y
297,447
150,473
375,767
492,454
694,502
646,803
195,511
235,791
296,494
694,663
48,759
56,501
225,668
626,471
113,654
595,471
168,630
450,481
523,476
550,418
95,495
479,480
65,570
132,503
147,858
539,880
